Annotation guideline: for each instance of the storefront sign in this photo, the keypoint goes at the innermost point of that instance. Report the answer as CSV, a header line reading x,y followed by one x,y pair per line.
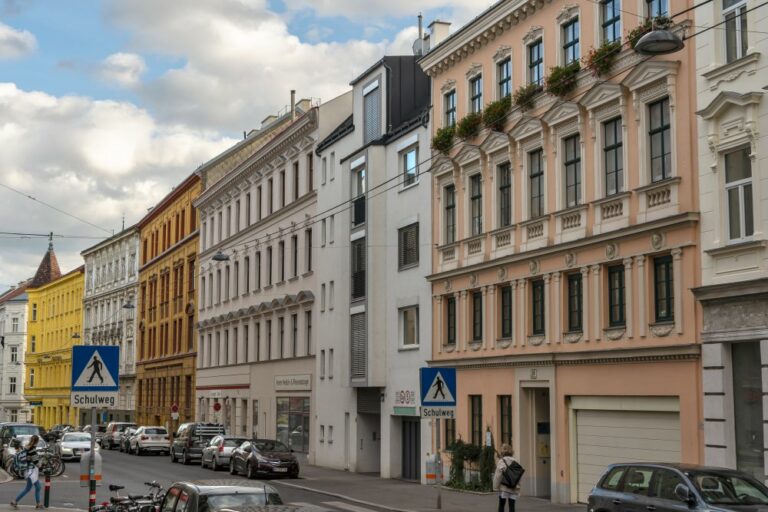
x,y
405,397
293,382
405,411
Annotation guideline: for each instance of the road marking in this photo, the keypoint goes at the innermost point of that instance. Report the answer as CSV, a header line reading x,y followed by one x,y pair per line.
x,y
309,506
346,506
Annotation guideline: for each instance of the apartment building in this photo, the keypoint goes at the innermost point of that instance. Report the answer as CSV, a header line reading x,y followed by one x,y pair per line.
x,y
733,179
13,344
109,310
566,239
373,257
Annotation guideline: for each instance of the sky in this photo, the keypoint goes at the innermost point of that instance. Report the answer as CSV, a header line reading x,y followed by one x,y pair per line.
x,y
105,105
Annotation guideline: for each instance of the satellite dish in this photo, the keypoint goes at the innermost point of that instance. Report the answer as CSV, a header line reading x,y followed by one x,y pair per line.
x,y
418,47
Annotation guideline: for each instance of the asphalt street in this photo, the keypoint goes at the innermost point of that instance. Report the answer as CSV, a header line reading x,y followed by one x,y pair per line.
x,y
132,471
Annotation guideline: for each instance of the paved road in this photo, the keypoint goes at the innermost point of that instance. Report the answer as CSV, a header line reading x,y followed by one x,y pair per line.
x,y
132,471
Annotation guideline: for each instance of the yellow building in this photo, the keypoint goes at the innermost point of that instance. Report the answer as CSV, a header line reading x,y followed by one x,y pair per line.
x,y
167,348
54,316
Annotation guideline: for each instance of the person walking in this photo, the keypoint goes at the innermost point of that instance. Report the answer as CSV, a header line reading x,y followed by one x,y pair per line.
x,y
507,495
31,473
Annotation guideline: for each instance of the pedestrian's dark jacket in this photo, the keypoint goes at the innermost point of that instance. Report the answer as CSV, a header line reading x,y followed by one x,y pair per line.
x,y
32,457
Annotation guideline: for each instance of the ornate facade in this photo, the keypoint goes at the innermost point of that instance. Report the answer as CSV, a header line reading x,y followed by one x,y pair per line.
x,y
13,333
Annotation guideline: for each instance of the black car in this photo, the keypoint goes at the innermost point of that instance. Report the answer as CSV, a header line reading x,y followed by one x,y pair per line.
x,y
190,440
263,457
676,487
215,495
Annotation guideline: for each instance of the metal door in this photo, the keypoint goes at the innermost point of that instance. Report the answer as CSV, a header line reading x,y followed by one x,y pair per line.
x,y
411,443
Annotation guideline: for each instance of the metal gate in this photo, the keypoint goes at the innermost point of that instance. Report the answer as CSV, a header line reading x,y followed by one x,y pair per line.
x,y
411,461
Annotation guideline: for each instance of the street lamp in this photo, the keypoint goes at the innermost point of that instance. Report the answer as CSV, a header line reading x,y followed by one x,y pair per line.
x,y
659,42
220,256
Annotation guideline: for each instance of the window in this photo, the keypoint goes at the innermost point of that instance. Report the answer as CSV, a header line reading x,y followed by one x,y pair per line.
x,y
450,321
259,208
613,479
476,203
665,481
322,366
610,11
358,268
32,377
282,188
269,340
14,354
410,321
536,180
659,135
372,113
331,228
616,299
476,419
281,259
358,192
506,312
505,194
449,108
15,324
12,385
735,14
575,306
408,246
536,62
330,295
32,345
258,270
281,338
294,335
504,74
450,214
613,156
322,297
657,8
410,166
295,255
738,188
310,174
537,296
476,94
663,292
229,221
572,164
295,180
246,277
34,312
237,216
505,418
637,481
477,316
270,196
237,279
450,433
269,266
248,209
571,41
308,243
218,286
308,327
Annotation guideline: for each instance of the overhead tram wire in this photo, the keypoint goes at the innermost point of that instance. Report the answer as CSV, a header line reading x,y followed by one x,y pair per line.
x,y
13,234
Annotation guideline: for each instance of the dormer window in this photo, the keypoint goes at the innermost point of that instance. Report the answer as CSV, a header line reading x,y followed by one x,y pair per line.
x,y
372,112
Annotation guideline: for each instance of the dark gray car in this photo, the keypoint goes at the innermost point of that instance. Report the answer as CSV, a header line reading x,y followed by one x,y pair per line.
x,y
676,488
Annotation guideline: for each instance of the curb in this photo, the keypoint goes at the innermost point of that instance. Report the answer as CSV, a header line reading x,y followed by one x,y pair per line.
x,y
346,498
5,477
467,491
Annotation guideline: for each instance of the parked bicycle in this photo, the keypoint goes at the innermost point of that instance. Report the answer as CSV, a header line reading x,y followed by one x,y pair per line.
x,y
148,502
50,463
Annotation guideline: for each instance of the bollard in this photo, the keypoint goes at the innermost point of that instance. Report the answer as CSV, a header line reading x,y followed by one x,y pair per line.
x,y
47,495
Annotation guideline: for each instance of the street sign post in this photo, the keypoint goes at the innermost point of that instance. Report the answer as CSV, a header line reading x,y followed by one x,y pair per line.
x,y
95,384
438,400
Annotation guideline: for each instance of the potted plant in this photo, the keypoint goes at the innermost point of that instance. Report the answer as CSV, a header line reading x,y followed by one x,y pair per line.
x,y
469,126
495,113
600,60
443,139
659,22
525,94
561,80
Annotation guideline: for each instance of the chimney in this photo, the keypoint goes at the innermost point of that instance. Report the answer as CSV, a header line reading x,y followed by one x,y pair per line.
x,y
293,104
421,28
439,32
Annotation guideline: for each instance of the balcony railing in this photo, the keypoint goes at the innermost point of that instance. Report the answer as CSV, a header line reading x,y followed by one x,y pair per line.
x,y
358,211
358,284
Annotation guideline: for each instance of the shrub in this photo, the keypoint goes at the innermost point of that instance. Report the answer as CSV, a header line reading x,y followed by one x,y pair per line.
x,y
562,79
443,139
495,113
461,454
660,22
469,126
525,94
487,467
600,60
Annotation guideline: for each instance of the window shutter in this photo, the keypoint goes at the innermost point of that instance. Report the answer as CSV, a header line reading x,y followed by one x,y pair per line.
x,y
359,352
408,246
372,115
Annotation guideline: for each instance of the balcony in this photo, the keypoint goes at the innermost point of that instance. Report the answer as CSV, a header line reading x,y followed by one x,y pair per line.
x,y
358,211
449,256
503,241
535,233
571,224
658,200
474,249
611,213
358,284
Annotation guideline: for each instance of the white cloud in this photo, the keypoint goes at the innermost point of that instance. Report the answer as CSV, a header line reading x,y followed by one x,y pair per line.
x,y
357,10
402,44
123,69
15,43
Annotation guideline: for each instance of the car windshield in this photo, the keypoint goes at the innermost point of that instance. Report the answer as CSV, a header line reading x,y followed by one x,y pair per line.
x,y
233,443
25,430
270,446
157,431
72,438
729,489
238,501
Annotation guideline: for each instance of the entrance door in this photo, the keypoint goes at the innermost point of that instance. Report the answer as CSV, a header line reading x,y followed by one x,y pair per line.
x,y
411,443
539,457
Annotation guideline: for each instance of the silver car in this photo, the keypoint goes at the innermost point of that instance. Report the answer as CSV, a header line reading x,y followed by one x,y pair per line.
x,y
216,454
73,444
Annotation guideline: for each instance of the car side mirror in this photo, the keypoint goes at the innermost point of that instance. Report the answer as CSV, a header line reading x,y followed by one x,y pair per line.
x,y
683,493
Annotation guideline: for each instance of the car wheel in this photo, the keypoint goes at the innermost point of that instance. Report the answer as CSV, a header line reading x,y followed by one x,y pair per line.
x,y
232,470
184,458
251,472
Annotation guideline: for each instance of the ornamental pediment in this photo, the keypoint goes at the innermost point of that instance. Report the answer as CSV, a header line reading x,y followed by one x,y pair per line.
x,y
468,154
495,141
601,94
305,296
527,127
561,112
648,72
728,99
442,165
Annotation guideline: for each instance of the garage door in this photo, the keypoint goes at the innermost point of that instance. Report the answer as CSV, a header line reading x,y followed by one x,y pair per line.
x,y
605,437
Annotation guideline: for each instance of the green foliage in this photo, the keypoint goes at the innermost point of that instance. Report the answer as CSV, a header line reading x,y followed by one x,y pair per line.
x,y
487,466
600,60
659,22
462,454
469,126
443,139
495,113
524,96
562,79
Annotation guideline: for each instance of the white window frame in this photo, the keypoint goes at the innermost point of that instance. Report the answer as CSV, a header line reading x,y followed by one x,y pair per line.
x,y
740,185
495,162
740,53
472,79
401,316
445,110
476,171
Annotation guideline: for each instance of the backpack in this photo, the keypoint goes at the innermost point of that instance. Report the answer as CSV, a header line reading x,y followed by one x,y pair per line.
x,y
511,474
20,461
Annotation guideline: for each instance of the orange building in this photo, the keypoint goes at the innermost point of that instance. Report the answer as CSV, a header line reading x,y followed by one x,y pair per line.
x,y
165,363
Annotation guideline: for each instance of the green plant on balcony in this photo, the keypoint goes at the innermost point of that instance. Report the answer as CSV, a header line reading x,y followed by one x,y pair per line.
x,y
443,139
495,113
659,22
562,80
470,125
600,60
525,94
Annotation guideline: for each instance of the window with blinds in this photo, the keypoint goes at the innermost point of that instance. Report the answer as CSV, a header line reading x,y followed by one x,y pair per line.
x,y
372,115
359,348
408,246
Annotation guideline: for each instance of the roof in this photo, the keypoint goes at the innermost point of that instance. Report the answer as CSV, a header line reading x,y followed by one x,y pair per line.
x,y
48,270
182,187
106,241
345,128
18,293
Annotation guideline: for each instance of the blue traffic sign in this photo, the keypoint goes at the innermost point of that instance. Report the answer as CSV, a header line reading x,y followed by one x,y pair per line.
x,y
95,368
438,387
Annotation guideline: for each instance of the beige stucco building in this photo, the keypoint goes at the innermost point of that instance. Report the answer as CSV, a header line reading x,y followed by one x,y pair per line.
x,y
566,246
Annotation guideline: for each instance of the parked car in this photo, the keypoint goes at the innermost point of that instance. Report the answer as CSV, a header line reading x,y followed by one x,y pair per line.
x,y
113,432
100,431
219,495
216,454
676,487
191,439
19,442
10,430
263,457
125,439
73,444
150,439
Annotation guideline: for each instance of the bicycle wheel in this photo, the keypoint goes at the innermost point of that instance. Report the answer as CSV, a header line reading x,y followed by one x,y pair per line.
x,y
57,466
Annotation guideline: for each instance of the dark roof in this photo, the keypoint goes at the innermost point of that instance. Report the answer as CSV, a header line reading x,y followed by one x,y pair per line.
x,y
345,128
48,270
368,71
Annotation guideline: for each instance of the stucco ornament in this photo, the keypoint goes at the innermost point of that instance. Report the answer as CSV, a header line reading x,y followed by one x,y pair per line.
x,y
448,85
447,285
503,52
662,330
615,334
572,337
657,240
502,273
536,340
611,250
472,279
474,69
570,259
533,266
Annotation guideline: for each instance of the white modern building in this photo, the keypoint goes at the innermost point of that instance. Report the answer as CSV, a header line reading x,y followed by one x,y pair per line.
x,y
109,310
733,177
258,282
13,342
374,311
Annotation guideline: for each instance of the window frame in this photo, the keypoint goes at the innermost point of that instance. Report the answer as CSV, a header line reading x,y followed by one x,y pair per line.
x,y
404,327
450,320
476,94
505,419
504,177
538,179
449,108
535,65
403,250
667,283
610,25
740,20
656,8
572,169
410,174
613,151
476,204
538,305
506,316
617,300
476,419
449,210
740,185
477,316
571,44
664,128
575,302
504,77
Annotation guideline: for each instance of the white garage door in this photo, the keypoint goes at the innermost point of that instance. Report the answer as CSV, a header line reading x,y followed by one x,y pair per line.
x,y
605,437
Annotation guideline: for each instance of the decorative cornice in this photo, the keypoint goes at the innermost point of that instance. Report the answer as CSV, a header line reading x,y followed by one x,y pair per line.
x,y
567,13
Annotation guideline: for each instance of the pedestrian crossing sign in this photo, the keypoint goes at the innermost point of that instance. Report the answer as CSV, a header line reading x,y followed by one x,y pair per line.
x,y
95,379
438,387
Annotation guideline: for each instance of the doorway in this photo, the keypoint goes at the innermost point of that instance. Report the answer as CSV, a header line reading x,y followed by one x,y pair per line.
x,y
411,446
536,448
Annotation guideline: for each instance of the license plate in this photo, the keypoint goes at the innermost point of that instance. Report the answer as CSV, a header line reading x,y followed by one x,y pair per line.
x,y
281,470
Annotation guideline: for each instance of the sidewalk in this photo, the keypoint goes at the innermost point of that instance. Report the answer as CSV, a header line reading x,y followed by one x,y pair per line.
x,y
401,496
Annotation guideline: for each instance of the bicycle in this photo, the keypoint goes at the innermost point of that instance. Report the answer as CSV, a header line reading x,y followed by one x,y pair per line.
x,y
133,502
